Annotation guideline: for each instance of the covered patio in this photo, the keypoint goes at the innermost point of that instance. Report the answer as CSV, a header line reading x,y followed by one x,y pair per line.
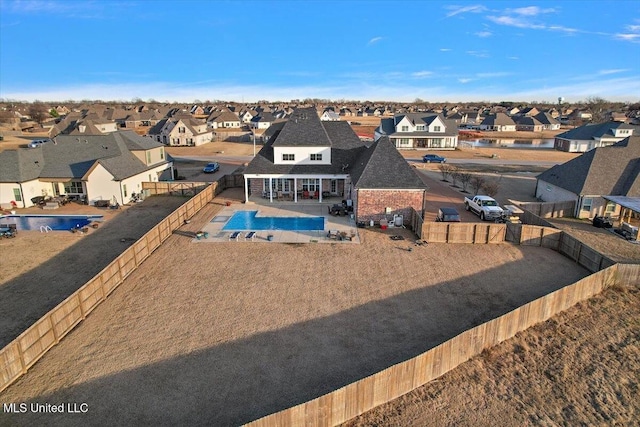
x,y
296,188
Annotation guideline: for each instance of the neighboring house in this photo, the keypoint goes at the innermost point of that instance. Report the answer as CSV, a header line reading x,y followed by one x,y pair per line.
x,y
603,171
312,159
95,167
263,121
330,116
225,120
246,116
419,130
590,136
528,123
181,131
548,121
498,122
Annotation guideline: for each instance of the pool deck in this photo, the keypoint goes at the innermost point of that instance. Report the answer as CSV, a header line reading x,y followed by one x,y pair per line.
x,y
341,224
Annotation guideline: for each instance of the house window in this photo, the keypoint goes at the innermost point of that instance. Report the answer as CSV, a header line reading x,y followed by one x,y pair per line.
x,y
73,187
148,157
334,186
586,204
162,154
436,128
17,195
288,157
404,129
420,127
404,142
611,207
309,184
181,130
124,190
316,156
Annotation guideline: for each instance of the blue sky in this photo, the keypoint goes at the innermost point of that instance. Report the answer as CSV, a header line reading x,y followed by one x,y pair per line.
x,y
354,50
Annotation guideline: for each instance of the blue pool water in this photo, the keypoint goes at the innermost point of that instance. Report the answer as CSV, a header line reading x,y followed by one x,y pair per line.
x,y
56,222
247,220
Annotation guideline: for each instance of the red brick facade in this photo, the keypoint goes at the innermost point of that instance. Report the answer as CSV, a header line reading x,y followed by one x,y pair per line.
x,y
372,204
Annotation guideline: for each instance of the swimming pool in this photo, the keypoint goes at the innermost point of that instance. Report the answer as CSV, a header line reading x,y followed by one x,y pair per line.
x,y
247,220
55,222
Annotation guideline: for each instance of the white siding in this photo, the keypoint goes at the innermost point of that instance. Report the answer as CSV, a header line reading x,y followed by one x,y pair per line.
x,y
302,155
100,185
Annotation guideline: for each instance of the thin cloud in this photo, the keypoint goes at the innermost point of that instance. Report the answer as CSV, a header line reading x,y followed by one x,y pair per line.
x,y
633,28
457,10
484,34
513,21
514,58
374,40
422,74
465,80
628,37
478,53
530,11
612,71
444,49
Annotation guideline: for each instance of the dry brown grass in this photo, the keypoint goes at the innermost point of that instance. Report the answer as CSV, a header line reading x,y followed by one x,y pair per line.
x,y
223,333
579,368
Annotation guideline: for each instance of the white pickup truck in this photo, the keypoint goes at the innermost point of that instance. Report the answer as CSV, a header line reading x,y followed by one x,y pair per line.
x,y
484,206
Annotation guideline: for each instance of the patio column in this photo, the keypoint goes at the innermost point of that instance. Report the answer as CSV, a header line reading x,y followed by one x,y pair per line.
x,y
246,189
295,190
320,192
270,190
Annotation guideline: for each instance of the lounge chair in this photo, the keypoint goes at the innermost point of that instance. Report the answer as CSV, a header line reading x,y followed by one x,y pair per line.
x,y
333,234
234,235
250,235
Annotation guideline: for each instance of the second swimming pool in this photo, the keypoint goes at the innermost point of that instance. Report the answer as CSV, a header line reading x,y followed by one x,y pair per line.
x,y
247,220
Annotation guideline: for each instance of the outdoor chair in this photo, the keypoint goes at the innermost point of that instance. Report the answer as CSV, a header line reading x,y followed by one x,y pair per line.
x,y
234,235
305,194
333,234
250,235
316,195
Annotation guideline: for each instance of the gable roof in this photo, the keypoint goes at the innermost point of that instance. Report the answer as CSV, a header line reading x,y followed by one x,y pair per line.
x,y
303,129
595,130
71,157
382,166
611,170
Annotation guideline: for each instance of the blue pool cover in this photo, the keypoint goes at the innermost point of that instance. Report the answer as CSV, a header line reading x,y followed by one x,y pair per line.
x,y
55,222
247,220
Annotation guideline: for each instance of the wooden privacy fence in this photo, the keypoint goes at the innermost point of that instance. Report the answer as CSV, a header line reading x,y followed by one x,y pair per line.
x,y
550,209
416,223
445,232
20,354
363,395
173,188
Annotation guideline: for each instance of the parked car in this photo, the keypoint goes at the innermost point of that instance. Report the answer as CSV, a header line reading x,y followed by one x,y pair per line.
x,y
211,168
448,215
433,158
38,142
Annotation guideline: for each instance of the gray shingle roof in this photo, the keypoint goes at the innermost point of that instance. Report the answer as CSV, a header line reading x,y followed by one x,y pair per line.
x,y
611,170
71,157
595,130
303,129
382,166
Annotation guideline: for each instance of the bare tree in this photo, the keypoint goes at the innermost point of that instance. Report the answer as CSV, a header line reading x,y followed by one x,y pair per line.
x,y
445,169
465,178
599,108
455,175
491,188
477,182
37,112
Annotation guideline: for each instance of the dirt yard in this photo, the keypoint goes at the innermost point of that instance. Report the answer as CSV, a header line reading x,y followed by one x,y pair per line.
x,y
220,334
39,270
580,368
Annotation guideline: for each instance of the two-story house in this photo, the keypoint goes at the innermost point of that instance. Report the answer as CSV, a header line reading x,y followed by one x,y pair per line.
x,y
312,160
593,135
181,131
91,167
419,130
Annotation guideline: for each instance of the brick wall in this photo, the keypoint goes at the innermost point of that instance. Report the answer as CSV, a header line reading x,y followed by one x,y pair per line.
x,y
372,204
